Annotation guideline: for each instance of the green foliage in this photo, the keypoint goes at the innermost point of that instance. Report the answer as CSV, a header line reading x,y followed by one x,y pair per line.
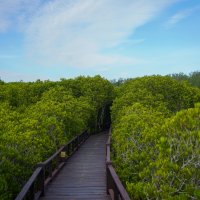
x,y
97,90
156,138
19,95
132,140
162,93
37,118
193,78
118,82
173,171
34,135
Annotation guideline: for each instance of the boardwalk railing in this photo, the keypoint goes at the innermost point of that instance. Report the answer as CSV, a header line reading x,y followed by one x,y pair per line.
x,y
47,170
114,186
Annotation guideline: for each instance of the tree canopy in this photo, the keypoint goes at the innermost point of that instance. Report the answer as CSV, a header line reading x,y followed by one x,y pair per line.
x,y
36,118
155,129
156,139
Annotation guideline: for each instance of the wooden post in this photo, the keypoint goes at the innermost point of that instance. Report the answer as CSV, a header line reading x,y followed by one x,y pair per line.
x,y
50,168
32,192
78,142
41,182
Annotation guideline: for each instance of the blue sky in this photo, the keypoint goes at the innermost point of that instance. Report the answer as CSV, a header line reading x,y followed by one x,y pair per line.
x,y
53,39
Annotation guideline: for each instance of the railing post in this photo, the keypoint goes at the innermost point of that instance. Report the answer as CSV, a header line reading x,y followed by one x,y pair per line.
x,y
42,179
78,142
80,139
108,178
68,150
41,182
73,146
87,135
50,168
84,136
32,191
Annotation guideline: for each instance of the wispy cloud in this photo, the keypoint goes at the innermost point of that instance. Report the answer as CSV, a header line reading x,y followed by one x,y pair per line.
x,y
75,33
181,15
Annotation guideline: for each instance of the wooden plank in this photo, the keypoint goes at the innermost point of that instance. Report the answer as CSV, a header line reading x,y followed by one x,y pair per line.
x,y
84,175
82,197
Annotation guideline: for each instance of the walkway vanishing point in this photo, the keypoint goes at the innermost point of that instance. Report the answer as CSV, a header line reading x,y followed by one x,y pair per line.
x,y
80,170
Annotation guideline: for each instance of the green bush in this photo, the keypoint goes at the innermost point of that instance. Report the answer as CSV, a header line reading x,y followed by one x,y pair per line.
x,y
174,170
162,93
156,138
37,118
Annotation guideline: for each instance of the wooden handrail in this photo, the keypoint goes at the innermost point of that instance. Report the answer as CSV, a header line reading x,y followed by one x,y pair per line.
x,y
114,186
47,170
29,186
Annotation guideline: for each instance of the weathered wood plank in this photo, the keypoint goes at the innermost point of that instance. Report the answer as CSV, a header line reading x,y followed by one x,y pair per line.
x,y
84,175
82,197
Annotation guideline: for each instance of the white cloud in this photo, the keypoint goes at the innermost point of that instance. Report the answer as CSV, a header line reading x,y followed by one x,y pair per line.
x,y
76,33
179,16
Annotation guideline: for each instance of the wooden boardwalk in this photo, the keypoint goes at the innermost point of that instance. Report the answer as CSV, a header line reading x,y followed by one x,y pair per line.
x,y
84,175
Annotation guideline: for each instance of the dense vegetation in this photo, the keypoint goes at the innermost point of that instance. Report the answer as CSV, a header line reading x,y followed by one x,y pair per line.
x,y
36,118
156,138
193,78
155,123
